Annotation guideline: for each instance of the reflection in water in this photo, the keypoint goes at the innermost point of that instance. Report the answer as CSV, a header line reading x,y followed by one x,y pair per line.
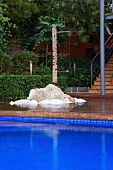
x,y
55,152
86,144
31,140
95,105
83,107
7,106
92,105
53,133
103,159
55,147
38,108
103,105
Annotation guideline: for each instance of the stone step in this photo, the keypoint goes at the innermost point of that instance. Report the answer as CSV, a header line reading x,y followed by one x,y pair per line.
x,y
111,58
99,91
109,72
106,75
110,62
97,83
110,68
107,78
94,91
108,87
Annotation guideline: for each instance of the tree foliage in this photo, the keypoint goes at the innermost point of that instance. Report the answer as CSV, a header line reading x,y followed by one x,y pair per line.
x,y
20,9
25,14
81,17
33,19
4,27
44,28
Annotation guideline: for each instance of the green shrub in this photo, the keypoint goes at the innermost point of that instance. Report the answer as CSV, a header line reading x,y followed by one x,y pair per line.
x,y
13,87
81,77
18,64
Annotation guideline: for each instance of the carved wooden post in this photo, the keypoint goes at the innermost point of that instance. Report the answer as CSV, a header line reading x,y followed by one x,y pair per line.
x,y
54,53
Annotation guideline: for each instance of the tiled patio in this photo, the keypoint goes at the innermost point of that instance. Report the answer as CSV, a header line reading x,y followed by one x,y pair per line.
x,y
95,108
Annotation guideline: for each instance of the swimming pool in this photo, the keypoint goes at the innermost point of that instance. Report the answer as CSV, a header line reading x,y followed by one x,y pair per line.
x,y
36,146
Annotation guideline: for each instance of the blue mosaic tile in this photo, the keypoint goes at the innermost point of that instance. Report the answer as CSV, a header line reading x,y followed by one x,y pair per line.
x,y
63,120
85,122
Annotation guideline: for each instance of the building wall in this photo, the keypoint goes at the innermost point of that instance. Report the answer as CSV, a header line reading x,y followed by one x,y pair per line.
x,y
69,50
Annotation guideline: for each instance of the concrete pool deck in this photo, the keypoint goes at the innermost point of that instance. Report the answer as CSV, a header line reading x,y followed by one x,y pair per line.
x,y
95,108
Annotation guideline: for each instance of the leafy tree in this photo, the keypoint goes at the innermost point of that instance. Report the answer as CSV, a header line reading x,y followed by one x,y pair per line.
x,y
25,14
44,31
20,9
4,25
81,17
4,33
44,28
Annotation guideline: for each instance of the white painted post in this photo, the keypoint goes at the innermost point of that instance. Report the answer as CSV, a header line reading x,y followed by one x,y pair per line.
x,y
54,53
31,67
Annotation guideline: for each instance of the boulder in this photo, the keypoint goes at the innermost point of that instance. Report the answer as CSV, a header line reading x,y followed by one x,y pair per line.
x,y
48,93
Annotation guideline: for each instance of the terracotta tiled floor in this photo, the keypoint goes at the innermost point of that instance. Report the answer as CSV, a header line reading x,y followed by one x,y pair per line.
x,y
95,105
94,108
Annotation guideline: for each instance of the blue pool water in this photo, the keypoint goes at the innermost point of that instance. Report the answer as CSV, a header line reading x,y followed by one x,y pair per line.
x,y
34,146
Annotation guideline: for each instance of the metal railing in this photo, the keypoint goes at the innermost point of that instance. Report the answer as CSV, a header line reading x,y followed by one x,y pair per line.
x,y
108,52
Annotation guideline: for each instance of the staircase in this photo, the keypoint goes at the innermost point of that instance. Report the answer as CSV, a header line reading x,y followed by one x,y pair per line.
x,y
96,87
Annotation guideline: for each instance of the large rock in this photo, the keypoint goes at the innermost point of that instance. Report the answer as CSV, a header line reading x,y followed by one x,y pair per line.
x,y
49,92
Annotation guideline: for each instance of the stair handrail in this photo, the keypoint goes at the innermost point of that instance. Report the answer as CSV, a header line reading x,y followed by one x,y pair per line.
x,y
96,57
